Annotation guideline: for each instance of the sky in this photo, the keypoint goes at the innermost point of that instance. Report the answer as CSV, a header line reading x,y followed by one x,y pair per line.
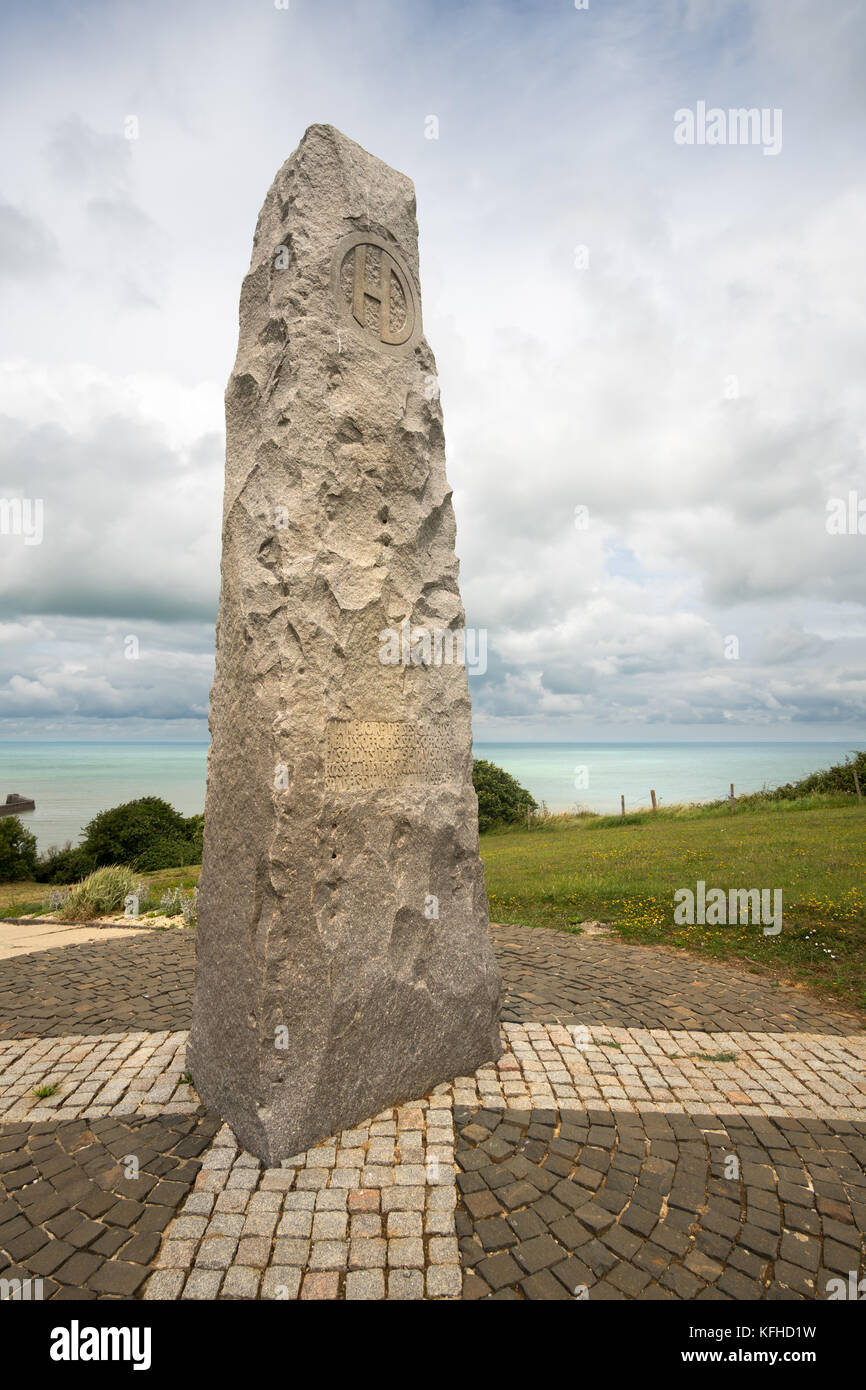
x,y
651,353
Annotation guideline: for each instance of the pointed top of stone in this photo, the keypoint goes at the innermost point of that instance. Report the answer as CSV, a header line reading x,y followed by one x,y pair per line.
x,y
340,187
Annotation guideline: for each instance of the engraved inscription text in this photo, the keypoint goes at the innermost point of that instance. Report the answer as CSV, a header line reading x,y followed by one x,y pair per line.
x,y
367,755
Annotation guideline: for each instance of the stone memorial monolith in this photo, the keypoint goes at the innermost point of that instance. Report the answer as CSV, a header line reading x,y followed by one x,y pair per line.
x,y
343,958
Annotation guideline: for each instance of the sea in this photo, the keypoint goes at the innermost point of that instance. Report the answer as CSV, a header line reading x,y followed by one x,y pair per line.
x,y
71,782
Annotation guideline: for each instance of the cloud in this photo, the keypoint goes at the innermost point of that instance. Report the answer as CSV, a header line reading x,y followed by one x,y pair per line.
x,y
27,249
693,378
103,670
131,500
89,160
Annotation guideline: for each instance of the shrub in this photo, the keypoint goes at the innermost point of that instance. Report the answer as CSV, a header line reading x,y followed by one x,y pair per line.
x,y
126,832
195,835
17,850
168,853
65,865
839,778
103,891
501,800
57,899
147,833
175,901
616,822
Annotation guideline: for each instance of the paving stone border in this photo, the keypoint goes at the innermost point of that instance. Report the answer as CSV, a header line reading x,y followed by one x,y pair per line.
x,y
96,1075
97,924
796,1074
367,1215
790,1074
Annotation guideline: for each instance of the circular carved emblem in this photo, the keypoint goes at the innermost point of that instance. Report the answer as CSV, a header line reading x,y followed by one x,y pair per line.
x,y
374,290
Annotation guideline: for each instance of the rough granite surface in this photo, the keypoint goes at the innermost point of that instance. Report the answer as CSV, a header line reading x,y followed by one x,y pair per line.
x,y
344,964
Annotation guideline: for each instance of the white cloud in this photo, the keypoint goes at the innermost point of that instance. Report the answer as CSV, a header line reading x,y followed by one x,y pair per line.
x,y
713,273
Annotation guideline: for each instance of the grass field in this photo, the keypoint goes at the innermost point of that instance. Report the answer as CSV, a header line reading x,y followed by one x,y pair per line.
x,y
566,870
27,897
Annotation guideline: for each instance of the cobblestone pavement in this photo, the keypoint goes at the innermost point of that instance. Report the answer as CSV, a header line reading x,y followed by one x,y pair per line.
x,y
607,1204
553,977
794,1075
103,1074
85,1202
144,982
367,1215
606,1154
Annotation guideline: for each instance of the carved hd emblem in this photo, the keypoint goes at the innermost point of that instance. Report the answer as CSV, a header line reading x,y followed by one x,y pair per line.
x,y
374,289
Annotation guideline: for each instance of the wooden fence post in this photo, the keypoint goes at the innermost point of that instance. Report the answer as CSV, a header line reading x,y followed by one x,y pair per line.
x,y
731,799
653,795
622,805
857,785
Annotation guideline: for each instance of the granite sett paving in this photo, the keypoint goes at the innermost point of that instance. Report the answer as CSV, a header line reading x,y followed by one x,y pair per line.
x,y
655,1128
594,1203
144,981
84,1203
554,977
139,982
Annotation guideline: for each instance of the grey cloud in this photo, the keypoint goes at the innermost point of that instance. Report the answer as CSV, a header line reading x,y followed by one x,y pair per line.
x,y
89,160
27,248
602,387
88,673
130,529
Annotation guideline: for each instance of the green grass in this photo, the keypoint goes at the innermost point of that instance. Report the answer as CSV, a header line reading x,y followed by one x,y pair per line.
x,y
24,898
43,1092
570,869
100,893
20,896
186,877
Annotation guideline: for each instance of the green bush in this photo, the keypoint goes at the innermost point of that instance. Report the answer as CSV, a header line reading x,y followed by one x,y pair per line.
x,y
147,833
103,891
168,853
176,900
17,850
823,787
195,835
126,832
65,865
501,800
839,778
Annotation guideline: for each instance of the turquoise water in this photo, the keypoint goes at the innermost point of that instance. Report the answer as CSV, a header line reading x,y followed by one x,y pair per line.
x,y
593,776
70,782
